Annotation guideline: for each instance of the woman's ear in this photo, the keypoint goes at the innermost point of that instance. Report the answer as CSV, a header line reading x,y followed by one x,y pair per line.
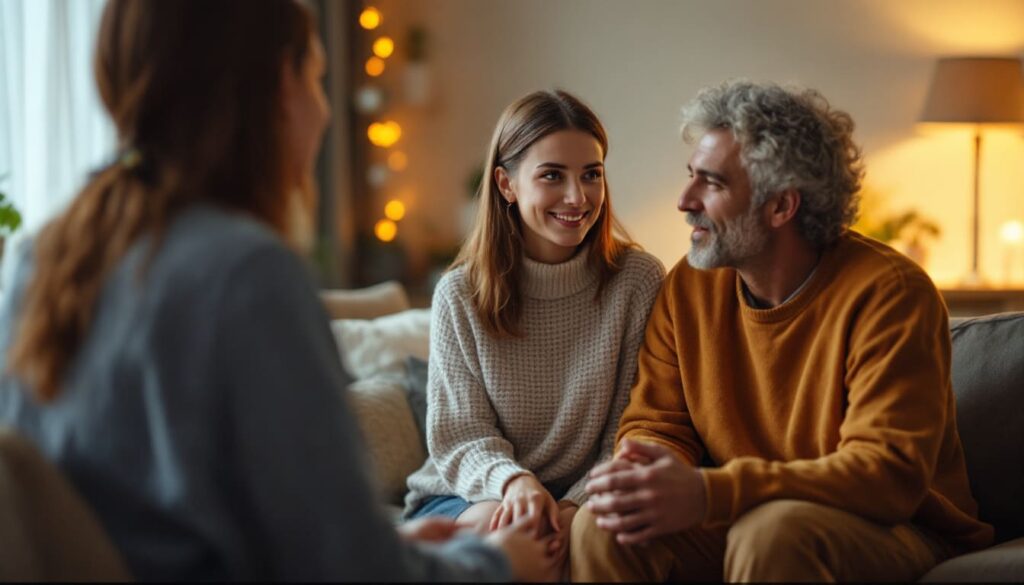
x,y
504,182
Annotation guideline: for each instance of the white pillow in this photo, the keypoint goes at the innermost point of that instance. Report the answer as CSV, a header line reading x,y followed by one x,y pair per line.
x,y
374,347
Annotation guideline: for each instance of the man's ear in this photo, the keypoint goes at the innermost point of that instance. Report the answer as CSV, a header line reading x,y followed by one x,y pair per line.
x,y
504,182
782,207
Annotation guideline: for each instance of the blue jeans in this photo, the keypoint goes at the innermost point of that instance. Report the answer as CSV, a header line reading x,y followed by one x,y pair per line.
x,y
445,506
453,506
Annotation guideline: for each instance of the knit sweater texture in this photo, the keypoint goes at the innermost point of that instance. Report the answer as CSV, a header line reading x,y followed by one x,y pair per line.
x,y
547,402
839,396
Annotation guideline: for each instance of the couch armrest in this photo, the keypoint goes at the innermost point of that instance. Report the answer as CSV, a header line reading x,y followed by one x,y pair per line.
x,y
365,303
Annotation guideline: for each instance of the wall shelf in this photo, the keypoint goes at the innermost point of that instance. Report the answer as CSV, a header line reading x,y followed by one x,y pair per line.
x,y
971,302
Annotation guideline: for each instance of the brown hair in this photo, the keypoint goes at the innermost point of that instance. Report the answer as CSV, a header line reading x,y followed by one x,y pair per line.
x,y
493,252
193,89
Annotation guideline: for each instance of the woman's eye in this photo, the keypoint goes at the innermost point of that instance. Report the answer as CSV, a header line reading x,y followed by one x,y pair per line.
x,y
593,175
550,175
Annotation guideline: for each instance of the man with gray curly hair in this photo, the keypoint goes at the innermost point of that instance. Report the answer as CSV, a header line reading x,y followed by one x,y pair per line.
x,y
793,416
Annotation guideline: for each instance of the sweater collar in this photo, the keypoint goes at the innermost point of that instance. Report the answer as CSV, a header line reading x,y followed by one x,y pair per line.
x,y
556,281
808,291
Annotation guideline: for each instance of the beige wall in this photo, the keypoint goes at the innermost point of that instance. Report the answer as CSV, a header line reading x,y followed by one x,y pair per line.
x,y
637,61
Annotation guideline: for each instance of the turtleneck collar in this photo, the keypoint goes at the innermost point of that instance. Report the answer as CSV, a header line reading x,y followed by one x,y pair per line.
x,y
556,281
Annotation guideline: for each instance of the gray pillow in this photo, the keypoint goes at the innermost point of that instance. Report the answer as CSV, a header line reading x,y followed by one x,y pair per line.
x,y
416,393
988,380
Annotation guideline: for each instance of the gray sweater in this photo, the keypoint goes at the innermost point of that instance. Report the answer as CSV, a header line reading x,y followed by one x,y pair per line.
x,y
548,402
205,422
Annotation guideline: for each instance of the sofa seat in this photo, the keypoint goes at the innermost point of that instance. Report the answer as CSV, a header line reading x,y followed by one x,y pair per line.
x,y
988,381
1001,563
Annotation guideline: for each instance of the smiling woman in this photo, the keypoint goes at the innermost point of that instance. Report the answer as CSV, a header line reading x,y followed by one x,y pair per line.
x,y
535,331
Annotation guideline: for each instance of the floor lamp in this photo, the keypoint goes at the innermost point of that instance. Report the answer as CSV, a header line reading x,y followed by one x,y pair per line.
x,y
978,91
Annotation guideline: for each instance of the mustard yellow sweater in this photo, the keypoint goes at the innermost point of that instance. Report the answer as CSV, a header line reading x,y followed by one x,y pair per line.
x,y
839,396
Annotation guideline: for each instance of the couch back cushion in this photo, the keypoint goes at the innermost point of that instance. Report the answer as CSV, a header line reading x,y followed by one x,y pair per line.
x,y
988,380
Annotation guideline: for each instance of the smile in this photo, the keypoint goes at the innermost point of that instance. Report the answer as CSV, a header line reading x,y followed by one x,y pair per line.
x,y
569,219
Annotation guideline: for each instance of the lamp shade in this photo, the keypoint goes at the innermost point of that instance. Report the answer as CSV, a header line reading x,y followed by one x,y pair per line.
x,y
979,90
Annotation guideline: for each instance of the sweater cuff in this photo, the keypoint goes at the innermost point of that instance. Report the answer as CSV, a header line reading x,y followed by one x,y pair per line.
x,y
500,475
718,487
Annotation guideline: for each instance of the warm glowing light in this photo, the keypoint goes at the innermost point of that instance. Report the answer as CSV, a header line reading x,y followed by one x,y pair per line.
x,y
384,134
957,27
1012,232
394,210
370,18
374,66
383,47
385,230
397,161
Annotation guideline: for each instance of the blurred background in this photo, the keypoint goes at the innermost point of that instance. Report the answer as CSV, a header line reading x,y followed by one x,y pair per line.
x,y
417,87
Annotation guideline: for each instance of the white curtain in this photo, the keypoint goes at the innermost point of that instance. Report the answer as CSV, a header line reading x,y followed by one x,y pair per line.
x,y
53,130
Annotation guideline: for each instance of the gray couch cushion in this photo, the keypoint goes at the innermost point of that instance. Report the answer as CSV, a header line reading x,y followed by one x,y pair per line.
x,y
1001,563
988,380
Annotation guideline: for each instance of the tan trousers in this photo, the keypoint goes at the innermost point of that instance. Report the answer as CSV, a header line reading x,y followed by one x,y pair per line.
x,y
784,540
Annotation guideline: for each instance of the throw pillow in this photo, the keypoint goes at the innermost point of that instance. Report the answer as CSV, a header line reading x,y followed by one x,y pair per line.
x,y
416,393
372,347
390,436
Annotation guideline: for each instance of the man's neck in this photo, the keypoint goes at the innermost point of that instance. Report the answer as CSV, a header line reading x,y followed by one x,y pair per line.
x,y
779,271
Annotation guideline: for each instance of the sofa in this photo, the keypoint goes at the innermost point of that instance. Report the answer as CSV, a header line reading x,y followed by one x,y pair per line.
x,y
384,344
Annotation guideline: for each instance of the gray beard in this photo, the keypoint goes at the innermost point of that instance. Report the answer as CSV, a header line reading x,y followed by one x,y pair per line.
x,y
731,245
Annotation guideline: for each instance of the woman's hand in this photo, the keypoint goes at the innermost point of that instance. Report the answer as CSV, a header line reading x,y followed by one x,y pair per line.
x,y
559,547
429,529
526,499
527,556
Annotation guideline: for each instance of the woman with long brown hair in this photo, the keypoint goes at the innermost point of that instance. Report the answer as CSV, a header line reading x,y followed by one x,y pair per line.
x,y
535,331
164,346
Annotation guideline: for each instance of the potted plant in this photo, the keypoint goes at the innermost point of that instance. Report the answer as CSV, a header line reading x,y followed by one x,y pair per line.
x,y
908,228
10,219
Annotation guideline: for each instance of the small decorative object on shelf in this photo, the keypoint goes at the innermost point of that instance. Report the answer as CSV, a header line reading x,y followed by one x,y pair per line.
x,y
10,219
1012,235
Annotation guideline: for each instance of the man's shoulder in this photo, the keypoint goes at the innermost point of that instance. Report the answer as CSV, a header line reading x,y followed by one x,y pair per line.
x,y
863,263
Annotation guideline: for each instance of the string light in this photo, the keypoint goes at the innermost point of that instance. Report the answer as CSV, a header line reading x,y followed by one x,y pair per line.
x,y
384,134
370,18
374,66
385,230
394,210
383,47
397,161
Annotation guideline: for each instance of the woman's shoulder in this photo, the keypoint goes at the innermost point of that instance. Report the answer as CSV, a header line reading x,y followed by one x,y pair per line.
x,y
641,265
453,286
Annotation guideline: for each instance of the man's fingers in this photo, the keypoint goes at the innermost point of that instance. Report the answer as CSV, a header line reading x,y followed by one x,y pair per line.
x,y
651,451
610,467
617,503
620,480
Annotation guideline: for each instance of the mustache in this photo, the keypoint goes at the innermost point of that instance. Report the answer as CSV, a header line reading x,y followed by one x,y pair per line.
x,y
700,221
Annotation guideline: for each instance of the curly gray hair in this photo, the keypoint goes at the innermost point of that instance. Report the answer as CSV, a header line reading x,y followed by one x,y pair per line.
x,y
789,138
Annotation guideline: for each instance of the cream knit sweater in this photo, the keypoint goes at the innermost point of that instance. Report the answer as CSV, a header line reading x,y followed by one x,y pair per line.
x,y
548,402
